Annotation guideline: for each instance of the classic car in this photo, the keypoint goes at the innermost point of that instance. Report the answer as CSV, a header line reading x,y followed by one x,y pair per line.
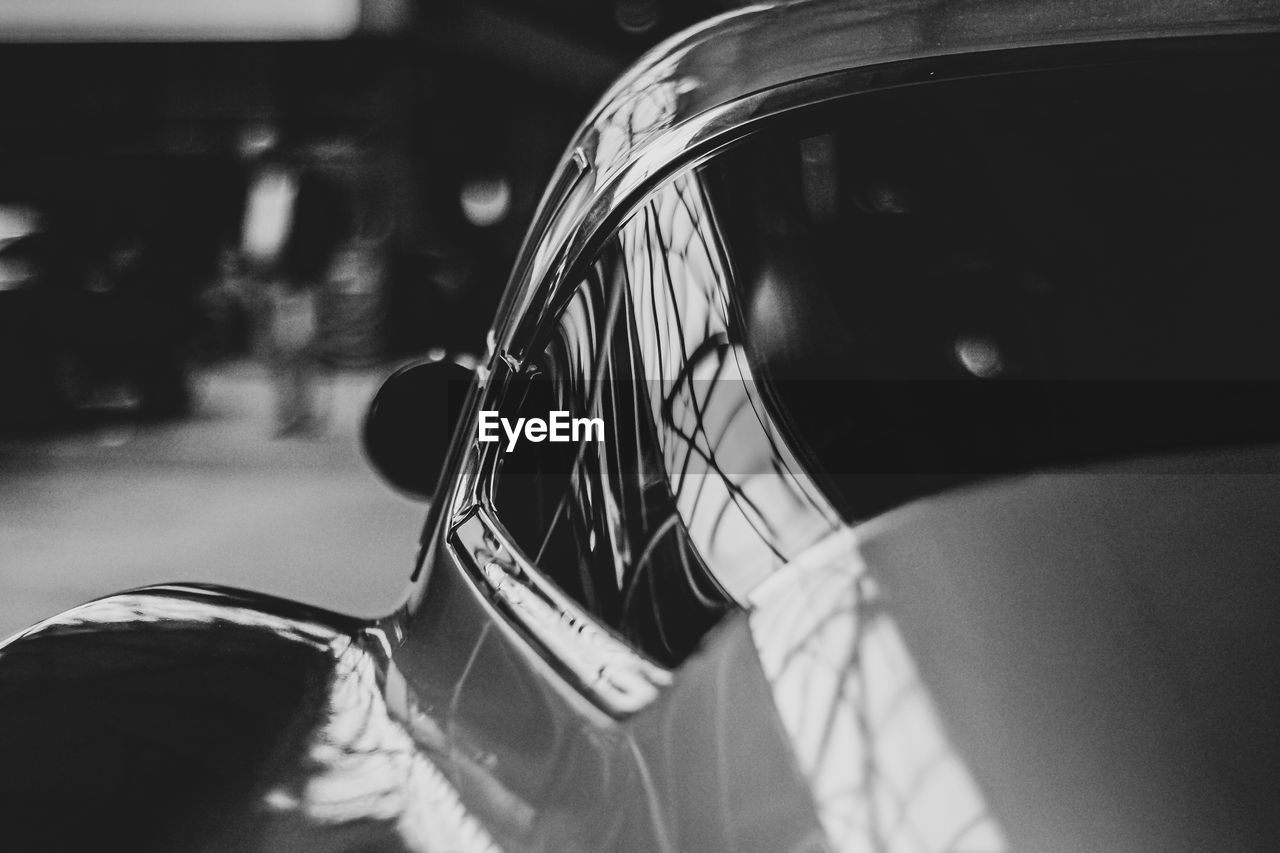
x,y
933,504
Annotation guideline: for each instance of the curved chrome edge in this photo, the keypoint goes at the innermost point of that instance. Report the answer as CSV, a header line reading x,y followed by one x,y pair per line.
x,y
195,603
680,98
373,761
598,664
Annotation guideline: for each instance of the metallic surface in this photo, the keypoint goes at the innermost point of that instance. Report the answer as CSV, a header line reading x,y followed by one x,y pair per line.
x,y
186,718
1100,646
1108,683
705,86
603,667
706,765
678,104
182,718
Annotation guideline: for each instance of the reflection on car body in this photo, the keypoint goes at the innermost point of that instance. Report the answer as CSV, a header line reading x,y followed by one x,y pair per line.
x,y
893,541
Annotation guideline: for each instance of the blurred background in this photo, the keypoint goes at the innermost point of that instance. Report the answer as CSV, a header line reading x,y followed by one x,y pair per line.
x,y
222,223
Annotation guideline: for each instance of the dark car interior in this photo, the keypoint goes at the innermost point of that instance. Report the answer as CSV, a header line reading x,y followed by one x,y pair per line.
x,y
1013,272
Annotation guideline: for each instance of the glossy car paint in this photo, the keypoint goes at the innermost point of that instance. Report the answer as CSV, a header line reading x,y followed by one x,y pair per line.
x,y
189,718
710,84
186,718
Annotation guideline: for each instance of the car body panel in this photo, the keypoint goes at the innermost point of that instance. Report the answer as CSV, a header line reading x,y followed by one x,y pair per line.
x,y
546,770
1108,683
201,719
679,104
1150,589
443,726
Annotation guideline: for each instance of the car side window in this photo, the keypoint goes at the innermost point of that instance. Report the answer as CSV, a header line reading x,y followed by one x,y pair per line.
x,y
598,518
690,500
744,499
541,493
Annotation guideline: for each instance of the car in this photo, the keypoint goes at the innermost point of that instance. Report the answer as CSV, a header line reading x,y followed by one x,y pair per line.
x,y
91,333
931,505
29,285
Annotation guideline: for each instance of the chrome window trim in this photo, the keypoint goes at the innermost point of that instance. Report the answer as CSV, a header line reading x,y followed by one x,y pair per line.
x,y
621,184
581,651
462,448
569,176
599,664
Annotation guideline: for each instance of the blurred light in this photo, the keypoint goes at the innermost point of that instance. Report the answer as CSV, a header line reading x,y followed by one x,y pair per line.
x,y
84,20
486,201
471,361
771,318
636,16
17,222
257,139
979,356
16,273
268,214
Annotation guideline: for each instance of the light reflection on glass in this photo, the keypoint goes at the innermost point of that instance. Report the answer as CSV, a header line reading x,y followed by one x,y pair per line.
x,y
866,733
743,498
980,356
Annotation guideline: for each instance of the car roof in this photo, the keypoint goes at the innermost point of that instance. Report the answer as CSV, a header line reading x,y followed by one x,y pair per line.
x,y
664,102
761,46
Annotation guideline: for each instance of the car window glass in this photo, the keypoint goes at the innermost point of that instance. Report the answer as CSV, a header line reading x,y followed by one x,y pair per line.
x,y
745,501
538,492
999,274
597,517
